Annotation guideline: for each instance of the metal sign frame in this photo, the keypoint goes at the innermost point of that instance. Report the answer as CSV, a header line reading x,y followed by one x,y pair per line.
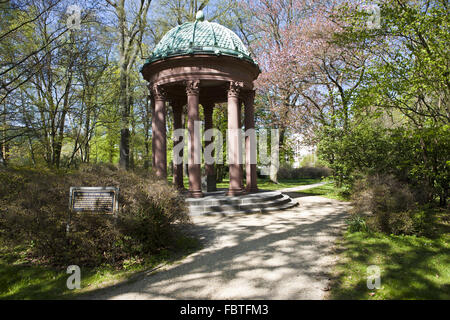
x,y
115,204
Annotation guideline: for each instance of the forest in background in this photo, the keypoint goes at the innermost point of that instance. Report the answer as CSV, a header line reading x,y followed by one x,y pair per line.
x,y
373,97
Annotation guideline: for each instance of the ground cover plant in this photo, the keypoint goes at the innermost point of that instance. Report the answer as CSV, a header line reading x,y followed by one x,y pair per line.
x,y
36,248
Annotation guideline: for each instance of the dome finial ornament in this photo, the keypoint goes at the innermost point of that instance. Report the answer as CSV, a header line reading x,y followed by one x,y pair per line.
x,y
200,16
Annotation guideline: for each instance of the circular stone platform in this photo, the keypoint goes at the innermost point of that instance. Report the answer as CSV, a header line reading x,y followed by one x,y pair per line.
x,y
217,202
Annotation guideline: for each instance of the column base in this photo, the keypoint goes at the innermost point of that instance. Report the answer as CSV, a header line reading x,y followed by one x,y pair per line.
x,y
251,190
196,193
235,192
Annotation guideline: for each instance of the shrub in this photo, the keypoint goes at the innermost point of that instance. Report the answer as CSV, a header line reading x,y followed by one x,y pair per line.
x,y
34,210
392,223
388,203
289,173
311,160
381,193
357,224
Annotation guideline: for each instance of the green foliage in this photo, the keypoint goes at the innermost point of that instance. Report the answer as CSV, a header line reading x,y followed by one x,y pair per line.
x,y
416,156
399,114
356,223
427,162
311,160
409,67
34,212
286,172
362,148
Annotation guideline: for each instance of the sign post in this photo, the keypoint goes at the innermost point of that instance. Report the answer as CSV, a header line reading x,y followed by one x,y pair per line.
x,y
94,200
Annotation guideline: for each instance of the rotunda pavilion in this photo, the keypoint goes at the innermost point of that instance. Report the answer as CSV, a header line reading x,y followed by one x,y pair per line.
x,y
202,62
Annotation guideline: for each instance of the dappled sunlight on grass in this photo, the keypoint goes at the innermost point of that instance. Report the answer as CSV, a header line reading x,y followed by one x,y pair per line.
x,y
328,190
20,279
411,267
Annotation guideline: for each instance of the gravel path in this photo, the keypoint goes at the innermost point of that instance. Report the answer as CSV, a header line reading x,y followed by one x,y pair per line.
x,y
281,255
300,188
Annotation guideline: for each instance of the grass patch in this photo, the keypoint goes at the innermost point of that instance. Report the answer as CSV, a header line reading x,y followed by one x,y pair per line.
x,y
20,279
267,184
328,191
412,267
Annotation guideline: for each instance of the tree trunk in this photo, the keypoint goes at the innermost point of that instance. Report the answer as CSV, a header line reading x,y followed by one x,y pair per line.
x,y
2,160
132,134
130,37
3,143
87,129
62,121
124,147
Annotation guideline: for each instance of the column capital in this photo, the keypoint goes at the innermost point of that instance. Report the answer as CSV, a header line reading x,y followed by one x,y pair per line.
x,y
193,87
235,88
158,92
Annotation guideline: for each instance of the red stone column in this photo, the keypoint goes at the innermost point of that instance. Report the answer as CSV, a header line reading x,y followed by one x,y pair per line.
x,y
159,132
177,108
241,165
195,182
209,168
152,106
234,150
250,143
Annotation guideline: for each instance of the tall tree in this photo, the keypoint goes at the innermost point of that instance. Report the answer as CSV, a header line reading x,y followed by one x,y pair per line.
x,y
131,20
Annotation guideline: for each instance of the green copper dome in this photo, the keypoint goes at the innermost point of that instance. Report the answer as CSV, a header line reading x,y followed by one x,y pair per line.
x,y
200,37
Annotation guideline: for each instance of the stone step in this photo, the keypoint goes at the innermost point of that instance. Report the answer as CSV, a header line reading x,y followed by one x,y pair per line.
x,y
248,211
259,204
237,200
237,203
242,206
